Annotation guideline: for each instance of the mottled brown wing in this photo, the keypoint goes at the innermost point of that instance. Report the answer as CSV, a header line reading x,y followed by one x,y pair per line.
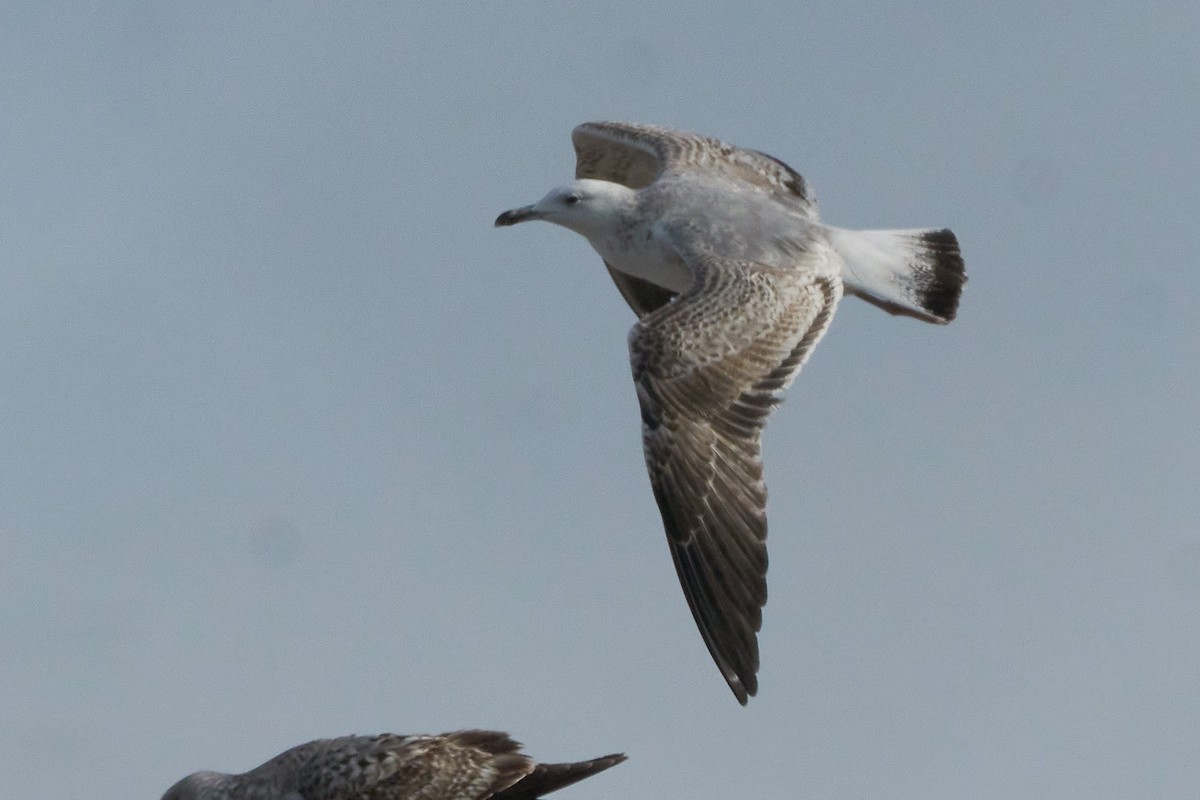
x,y
636,155
464,765
467,765
709,369
627,154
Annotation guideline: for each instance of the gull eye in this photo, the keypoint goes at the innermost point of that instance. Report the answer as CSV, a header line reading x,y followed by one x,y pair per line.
x,y
572,199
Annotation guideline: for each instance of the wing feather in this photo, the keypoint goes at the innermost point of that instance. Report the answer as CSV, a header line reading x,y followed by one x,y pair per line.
x,y
636,155
709,369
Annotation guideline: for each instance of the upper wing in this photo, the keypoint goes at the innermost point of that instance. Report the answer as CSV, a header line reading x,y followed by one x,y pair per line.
x,y
636,155
709,369
466,765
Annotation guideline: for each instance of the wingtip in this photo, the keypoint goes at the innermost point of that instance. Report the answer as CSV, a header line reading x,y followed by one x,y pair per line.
x,y
547,778
741,691
610,760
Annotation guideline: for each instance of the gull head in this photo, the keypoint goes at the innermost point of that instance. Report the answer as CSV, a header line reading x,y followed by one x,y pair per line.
x,y
585,206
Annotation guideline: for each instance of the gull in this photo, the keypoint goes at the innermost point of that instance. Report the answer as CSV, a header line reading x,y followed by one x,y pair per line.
x,y
734,279
463,765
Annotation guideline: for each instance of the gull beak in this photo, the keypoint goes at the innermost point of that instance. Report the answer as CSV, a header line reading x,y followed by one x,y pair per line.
x,y
513,216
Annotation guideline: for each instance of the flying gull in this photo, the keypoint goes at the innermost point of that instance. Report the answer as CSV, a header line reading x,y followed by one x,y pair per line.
x,y
722,256
464,765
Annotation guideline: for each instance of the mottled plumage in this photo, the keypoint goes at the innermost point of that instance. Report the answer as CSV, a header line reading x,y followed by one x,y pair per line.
x,y
721,254
464,765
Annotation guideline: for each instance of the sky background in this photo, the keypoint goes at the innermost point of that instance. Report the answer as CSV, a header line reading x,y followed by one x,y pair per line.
x,y
294,444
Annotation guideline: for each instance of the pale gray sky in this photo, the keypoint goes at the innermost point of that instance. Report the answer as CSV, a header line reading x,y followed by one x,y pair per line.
x,y
295,444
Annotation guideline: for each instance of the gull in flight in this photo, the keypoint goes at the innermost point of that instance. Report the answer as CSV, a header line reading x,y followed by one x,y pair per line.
x,y
464,765
734,279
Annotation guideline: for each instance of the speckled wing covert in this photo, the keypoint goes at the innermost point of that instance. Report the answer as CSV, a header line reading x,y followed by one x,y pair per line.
x,y
636,155
709,369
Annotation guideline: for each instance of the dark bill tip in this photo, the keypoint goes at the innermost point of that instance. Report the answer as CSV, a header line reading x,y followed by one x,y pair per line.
x,y
513,216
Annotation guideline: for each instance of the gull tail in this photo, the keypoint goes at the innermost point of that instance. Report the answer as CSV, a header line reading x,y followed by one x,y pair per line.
x,y
917,273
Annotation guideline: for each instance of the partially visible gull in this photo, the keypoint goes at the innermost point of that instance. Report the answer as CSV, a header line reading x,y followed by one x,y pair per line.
x,y
721,254
464,765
